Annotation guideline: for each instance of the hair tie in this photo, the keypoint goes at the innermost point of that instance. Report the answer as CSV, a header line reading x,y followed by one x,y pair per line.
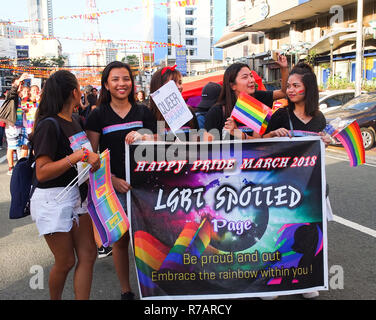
x,y
168,68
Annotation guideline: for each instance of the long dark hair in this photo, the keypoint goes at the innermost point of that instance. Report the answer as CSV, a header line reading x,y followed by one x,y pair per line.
x,y
105,95
56,92
311,89
227,97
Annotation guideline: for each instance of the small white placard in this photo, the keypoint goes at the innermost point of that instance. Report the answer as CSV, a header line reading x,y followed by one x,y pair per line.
x,y
172,106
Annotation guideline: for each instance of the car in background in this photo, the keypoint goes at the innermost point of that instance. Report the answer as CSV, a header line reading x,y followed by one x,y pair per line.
x,y
362,109
335,99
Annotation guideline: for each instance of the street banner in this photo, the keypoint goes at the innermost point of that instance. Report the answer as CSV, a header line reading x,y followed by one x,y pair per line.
x,y
181,60
228,219
105,209
172,106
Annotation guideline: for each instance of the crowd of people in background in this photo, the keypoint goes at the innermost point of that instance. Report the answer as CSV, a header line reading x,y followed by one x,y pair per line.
x,y
119,114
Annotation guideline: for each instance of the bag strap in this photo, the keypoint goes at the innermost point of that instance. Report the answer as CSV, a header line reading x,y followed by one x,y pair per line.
x,y
35,181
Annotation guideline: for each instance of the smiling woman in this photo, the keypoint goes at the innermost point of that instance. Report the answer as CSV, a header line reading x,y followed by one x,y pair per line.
x,y
238,78
117,120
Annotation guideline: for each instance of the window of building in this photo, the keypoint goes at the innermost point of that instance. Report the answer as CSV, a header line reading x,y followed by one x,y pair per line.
x,y
189,32
189,22
189,42
189,12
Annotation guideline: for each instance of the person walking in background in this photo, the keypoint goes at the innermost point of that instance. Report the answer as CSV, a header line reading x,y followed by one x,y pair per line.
x,y
119,119
15,115
30,108
63,221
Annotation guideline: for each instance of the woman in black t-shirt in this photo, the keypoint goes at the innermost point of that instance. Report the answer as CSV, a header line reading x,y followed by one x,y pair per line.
x,y
57,153
236,79
160,78
302,112
117,120
301,116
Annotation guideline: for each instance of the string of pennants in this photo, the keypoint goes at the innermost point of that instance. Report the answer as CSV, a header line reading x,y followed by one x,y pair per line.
x,y
95,15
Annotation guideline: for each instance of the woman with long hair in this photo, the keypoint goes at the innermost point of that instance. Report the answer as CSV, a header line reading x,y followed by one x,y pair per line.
x,y
116,120
302,115
160,78
63,220
302,112
238,78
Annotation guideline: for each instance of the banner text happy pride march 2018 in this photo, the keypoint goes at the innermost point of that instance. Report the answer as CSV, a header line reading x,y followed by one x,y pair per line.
x,y
235,220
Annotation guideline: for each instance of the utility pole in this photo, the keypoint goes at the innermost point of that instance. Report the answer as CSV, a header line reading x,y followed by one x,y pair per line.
x,y
359,44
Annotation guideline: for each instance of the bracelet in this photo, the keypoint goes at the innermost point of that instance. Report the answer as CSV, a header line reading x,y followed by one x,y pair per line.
x,y
85,157
70,163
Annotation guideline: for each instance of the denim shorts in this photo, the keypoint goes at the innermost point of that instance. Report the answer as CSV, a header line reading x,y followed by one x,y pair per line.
x,y
54,215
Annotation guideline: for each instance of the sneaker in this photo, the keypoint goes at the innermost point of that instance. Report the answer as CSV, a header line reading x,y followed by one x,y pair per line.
x,y
311,295
10,171
104,252
127,296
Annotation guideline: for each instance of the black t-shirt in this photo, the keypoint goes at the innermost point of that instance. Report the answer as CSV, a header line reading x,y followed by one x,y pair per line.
x,y
280,119
48,142
215,118
113,130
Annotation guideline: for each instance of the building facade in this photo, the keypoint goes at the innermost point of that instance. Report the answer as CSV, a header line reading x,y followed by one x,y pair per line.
x,y
40,16
194,24
316,29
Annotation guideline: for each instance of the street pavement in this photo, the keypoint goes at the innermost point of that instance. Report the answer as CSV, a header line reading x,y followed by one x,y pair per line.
x,y
351,241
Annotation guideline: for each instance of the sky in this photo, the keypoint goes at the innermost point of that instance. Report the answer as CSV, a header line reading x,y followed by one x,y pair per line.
x,y
122,25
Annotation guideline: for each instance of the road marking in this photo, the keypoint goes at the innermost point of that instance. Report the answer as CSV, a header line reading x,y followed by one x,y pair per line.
x,y
3,159
344,159
355,226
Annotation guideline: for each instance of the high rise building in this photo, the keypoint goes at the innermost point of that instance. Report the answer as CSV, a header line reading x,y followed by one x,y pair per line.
x,y
40,16
193,24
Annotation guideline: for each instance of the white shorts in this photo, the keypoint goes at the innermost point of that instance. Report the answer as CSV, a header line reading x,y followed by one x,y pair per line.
x,y
53,216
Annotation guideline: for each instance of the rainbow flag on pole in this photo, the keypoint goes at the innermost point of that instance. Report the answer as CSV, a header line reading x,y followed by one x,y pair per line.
x,y
104,207
251,112
351,138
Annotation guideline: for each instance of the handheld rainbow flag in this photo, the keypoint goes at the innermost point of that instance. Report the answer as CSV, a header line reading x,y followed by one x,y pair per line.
x,y
252,113
104,207
351,138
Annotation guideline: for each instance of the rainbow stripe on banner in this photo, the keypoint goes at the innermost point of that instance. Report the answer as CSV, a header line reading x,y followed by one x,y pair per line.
x,y
152,255
251,112
104,207
194,238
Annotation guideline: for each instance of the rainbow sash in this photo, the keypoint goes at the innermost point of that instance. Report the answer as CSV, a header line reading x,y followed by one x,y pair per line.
x,y
252,113
104,207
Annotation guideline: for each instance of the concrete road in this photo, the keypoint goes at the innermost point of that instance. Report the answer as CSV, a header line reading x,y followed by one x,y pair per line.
x,y
351,241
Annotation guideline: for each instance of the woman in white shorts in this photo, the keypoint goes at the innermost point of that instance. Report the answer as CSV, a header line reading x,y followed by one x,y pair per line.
x,y
61,217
